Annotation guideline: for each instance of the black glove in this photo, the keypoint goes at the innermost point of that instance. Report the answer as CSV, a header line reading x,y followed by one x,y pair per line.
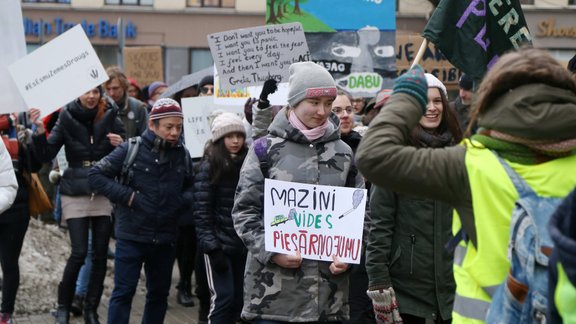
x,y
248,109
218,261
270,86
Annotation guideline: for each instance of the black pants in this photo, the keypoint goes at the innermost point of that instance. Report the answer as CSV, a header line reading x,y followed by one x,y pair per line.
x,y
411,319
361,311
202,290
11,239
78,229
186,255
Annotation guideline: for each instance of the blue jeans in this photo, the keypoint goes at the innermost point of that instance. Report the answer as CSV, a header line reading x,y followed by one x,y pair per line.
x,y
158,261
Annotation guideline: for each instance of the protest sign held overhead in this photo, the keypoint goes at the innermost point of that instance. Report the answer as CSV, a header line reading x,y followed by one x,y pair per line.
x,y
318,221
198,114
250,56
58,72
14,47
144,64
472,34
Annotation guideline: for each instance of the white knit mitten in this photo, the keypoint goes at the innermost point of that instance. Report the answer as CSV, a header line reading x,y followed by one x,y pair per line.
x,y
385,306
54,177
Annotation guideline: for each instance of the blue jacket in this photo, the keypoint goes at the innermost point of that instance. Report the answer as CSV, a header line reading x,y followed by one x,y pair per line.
x,y
563,233
162,184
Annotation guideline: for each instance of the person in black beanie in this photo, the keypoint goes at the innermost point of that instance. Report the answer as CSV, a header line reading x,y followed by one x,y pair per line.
x,y
461,104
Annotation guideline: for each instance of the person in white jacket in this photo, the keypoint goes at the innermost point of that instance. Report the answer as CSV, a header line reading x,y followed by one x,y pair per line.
x,y
8,184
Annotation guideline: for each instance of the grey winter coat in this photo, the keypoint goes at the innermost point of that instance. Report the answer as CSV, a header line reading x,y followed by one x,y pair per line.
x,y
311,292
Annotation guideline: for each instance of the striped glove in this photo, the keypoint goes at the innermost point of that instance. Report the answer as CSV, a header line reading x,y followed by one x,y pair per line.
x,y
385,306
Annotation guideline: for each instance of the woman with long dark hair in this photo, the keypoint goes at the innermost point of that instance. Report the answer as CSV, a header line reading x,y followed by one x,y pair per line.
x,y
405,254
89,129
214,189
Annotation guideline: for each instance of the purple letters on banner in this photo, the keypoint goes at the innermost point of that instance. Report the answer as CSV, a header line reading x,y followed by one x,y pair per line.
x,y
472,10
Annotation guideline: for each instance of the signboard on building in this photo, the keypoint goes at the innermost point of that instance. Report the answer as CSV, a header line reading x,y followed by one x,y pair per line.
x,y
144,64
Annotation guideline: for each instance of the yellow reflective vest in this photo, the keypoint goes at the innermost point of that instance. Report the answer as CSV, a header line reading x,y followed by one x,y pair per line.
x,y
478,271
565,297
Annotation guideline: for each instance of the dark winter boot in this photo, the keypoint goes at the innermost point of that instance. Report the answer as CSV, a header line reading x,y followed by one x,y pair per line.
x,y
91,317
184,296
62,315
77,305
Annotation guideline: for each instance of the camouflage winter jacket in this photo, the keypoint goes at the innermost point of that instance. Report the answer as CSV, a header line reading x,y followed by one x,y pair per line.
x,y
310,293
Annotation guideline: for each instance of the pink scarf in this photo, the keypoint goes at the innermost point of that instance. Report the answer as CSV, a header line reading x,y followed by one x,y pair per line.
x,y
311,134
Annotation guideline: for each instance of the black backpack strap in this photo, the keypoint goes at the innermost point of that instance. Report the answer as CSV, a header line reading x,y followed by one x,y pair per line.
x,y
133,146
261,150
351,177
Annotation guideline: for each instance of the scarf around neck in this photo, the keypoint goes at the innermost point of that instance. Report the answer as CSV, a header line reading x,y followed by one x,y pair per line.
x,y
311,134
424,138
523,150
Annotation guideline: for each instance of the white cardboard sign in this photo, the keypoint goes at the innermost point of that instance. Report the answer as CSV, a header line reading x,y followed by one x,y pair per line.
x,y
58,72
319,221
12,48
197,119
250,56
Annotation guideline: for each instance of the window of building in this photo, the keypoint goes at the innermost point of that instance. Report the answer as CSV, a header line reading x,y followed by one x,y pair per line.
x,y
47,1
200,59
211,3
572,2
527,2
130,2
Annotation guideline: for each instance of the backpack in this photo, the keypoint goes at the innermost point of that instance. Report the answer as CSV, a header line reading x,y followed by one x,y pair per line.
x,y
522,297
261,150
126,172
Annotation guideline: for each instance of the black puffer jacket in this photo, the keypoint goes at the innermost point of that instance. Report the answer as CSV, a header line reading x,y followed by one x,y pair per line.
x,y
85,143
213,211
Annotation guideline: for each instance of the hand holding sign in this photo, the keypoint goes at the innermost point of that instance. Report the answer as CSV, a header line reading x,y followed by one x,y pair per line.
x,y
356,200
288,261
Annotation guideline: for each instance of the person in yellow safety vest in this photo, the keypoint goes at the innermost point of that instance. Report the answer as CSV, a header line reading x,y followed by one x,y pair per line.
x,y
525,109
562,282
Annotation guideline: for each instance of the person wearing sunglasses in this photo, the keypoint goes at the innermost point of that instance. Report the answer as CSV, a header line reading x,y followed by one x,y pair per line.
x,y
206,86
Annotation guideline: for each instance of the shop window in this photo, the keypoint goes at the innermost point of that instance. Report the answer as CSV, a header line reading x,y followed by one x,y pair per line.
x,y
572,2
211,3
47,1
130,2
200,59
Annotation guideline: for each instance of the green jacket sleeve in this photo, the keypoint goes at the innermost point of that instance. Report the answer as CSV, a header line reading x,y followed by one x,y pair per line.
x,y
383,204
386,159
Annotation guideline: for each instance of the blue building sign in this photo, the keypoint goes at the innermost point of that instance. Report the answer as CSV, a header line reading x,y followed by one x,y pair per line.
x,y
103,29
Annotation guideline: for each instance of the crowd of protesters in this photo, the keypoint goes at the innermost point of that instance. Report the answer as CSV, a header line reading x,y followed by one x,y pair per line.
x,y
436,227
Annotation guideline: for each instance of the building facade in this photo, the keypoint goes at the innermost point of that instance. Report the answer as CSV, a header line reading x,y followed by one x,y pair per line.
x,y
180,26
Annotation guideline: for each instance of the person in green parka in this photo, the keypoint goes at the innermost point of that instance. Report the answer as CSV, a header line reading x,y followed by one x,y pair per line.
x,y
405,255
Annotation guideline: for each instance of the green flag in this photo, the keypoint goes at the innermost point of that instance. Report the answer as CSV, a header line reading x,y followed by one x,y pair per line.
x,y
472,34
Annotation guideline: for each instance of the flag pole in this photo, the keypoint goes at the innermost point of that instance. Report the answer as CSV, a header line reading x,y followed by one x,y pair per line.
x,y
420,52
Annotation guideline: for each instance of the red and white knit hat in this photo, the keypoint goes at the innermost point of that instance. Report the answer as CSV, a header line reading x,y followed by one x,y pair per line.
x,y
164,108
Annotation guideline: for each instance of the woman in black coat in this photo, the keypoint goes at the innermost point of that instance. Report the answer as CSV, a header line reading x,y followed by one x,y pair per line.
x,y
89,129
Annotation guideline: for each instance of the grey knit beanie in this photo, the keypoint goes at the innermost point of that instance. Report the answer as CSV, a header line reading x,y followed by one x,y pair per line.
x,y
309,80
226,123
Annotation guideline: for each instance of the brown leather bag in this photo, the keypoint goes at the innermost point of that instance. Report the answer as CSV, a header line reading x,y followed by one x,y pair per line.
x,y
38,201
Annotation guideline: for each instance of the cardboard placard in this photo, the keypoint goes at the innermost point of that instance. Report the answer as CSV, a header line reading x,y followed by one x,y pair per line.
x,y
58,72
250,56
319,221
144,64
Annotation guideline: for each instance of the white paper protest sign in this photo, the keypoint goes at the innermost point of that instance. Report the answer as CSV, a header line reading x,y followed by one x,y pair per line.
x,y
319,221
197,119
13,47
58,72
250,56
